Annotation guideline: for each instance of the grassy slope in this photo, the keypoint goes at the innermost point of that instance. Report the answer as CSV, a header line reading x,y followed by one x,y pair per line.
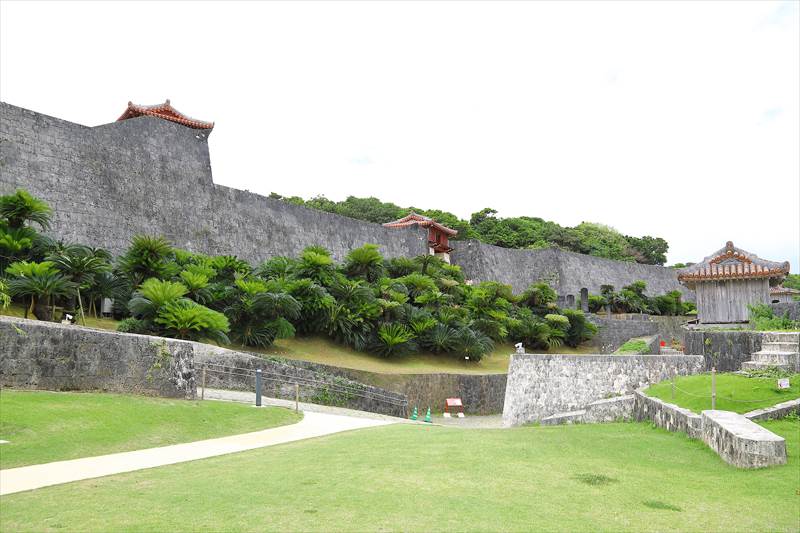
x,y
51,426
746,391
423,478
98,323
325,351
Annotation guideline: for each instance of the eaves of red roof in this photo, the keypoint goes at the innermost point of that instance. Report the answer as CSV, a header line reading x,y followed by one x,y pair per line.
x,y
164,111
413,219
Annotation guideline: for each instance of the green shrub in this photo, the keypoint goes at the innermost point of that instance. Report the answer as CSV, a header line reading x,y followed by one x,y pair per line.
x,y
133,325
763,319
580,329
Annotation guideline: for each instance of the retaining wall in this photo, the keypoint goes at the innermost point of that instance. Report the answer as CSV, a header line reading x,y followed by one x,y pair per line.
x,y
481,394
724,350
614,332
316,385
543,384
46,355
791,309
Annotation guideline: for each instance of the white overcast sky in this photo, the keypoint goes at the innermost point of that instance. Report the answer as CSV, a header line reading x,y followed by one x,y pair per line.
x,y
674,119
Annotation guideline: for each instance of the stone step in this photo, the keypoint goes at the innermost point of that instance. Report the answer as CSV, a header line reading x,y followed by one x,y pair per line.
x,y
757,365
782,358
782,336
570,417
775,346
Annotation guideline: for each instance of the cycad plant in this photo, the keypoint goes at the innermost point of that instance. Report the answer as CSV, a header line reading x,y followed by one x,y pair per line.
x,y
41,282
261,313
365,263
393,340
80,265
153,295
440,338
148,257
20,208
185,319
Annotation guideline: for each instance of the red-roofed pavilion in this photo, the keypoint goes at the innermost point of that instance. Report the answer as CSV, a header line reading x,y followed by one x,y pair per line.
x,y
730,280
438,234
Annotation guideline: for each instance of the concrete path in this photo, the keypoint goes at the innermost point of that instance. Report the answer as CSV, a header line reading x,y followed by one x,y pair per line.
x,y
313,425
250,398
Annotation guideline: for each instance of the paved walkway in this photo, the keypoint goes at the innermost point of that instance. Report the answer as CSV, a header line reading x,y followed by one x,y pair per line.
x,y
250,398
314,424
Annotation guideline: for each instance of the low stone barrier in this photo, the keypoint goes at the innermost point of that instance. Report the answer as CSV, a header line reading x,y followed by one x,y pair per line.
x,y
540,385
740,442
666,415
776,411
614,409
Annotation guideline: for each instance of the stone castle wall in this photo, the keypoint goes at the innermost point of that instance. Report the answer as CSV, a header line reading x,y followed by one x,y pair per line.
x,y
567,272
147,175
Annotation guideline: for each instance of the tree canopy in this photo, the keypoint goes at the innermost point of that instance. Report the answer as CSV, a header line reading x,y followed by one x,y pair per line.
x,y
512,232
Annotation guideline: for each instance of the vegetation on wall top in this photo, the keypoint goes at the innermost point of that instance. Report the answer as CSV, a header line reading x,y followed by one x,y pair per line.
x,y
513,232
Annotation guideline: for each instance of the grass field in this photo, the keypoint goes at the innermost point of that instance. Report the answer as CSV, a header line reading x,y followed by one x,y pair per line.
x,y
735,393
49,426
609,477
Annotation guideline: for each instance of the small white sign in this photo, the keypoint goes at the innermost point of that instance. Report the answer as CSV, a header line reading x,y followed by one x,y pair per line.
x,y
783,383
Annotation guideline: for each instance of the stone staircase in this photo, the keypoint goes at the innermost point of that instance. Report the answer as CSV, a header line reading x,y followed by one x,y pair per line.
x,y
778,349
666,350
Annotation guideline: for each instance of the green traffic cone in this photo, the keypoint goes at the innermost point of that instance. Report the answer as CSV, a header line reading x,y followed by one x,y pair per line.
x,y
414,414
428,416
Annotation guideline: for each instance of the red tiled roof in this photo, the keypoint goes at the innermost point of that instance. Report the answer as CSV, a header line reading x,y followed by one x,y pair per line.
x,y
781,290
732,263
165,111
413,219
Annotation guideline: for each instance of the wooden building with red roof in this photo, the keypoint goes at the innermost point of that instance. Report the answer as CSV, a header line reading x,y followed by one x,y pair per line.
x,y
164,111
438,234
728,281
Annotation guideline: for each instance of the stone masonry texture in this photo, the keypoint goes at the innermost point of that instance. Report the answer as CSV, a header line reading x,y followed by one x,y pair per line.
x,y
740,442
542,384
50,356
151,176
723,350
45,355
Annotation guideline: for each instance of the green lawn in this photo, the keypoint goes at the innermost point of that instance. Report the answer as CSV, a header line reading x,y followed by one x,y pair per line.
x,y
49,426
735,393
607,477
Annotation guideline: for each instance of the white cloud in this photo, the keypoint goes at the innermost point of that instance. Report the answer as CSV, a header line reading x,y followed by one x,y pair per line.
x,y
676,119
